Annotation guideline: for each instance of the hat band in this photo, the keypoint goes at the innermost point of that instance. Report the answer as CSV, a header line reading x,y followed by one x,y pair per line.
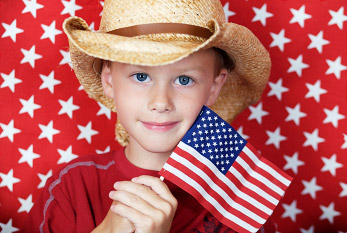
x,y
156,28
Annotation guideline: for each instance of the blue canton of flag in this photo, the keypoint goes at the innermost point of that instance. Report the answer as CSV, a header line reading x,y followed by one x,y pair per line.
x,y
215,139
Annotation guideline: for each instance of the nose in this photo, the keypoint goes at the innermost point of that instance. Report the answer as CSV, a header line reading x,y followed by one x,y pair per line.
x,y
160,99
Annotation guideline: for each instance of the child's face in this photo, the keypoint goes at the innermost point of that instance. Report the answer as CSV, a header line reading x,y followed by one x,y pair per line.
x,y
157,105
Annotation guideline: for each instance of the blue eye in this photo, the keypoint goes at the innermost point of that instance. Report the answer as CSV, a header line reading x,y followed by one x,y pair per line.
x,y
184,80
141,77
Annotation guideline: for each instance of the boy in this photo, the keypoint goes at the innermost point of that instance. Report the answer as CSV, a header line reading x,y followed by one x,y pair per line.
x,y
157,63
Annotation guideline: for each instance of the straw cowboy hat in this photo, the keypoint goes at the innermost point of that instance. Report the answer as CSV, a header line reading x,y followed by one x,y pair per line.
x,y
160,32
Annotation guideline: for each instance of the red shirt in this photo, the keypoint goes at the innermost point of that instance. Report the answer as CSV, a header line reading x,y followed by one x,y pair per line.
x,y
75,198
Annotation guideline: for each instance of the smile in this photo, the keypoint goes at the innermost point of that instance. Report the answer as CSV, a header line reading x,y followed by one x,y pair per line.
x,y
160,127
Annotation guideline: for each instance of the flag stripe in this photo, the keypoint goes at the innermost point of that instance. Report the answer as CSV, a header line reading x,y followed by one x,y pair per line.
x,y
208,198
225,180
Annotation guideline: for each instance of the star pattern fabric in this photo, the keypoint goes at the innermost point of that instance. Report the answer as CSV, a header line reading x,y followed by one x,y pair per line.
x,y
300,124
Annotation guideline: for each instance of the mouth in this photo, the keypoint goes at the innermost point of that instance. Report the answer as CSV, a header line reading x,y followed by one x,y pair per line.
x,y
160,126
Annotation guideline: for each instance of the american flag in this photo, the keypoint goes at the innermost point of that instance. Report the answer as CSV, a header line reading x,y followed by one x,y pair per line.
x,y
226,174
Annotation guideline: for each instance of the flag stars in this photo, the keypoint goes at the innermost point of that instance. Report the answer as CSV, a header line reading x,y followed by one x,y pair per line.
x,y
279,40
257,113
8,227
338,17
86,132
66,58
311,187
8,180
315,91
344,145
50,32
261,14
104,110
49,82
335,67
329,212
44,178
26,204
30,56
10,80
297,65
29,106
294,114
227,12
291,211
277,89
31,6
317,42
47,131
299,16
68,107
11,30
333,116
343,193
312,139
293,162
275,138
70,7
28,156
9,130
331,165
66,156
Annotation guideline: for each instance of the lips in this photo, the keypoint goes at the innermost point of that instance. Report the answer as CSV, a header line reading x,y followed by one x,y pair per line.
x,y
160,126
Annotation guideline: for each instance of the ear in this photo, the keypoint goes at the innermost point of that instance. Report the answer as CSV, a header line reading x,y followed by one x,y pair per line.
x,y
217,86
106,79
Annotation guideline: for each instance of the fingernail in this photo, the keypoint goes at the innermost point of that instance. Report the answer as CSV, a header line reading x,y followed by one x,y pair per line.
x,y
116,185
134,179
111,194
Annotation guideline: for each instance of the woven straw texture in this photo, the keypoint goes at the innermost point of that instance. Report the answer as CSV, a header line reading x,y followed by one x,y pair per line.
x,y
244,85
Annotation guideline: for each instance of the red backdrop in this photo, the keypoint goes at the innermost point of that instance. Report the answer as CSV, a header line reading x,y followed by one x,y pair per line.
x,y
300,124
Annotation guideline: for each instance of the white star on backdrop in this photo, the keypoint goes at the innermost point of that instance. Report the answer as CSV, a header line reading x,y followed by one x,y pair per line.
x,y
311,187
31,6
227,12
26,204
70,7
331,165
240,131
10,80
297,65
275,137
47,131
9,130
49,82
344,145
329,212
294,114
107,149
104,110
338,17
102,5
333,116
293,162
30,56
261,14
29,106
86,132
335,67
50,32
277,89
8,228
279,40
312,139
317,42
309,230
8,180
68,107
257,113
44,178
315,91
28,155
66,155
92,27
11,30
299,16
66,58
291,211
344,189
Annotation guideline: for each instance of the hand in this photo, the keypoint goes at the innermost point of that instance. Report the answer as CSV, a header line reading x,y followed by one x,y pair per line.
x,y
114,223
146,202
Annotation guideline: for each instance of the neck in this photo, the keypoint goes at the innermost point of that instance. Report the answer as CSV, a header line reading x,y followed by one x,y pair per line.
x,y
145,159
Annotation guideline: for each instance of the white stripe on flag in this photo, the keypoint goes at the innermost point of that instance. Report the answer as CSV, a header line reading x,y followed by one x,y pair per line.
x,y
258,176
266,167
223,178
208,198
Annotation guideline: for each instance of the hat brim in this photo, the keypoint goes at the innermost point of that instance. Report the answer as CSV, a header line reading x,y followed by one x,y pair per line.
x,y
243,87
